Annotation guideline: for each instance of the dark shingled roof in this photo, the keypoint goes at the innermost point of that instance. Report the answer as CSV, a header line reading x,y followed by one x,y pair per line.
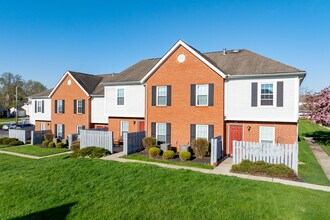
x,y
88,81
42,94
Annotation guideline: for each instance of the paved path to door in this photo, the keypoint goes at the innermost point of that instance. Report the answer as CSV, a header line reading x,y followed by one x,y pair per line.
x,y
321,156
222,169
31,156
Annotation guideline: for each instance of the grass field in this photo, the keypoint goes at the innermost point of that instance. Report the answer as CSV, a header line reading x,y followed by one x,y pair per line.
x,y
58,188
311,170
35,150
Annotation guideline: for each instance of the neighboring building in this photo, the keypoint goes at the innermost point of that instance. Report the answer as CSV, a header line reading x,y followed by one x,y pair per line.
x,y
235,94
20,111
303,111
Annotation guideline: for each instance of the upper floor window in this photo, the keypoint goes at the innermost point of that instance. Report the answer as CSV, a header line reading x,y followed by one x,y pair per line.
x,y
80,106
267,94
59,106
161,95
267,134
202,95
120,96
124,127
161,133
202,131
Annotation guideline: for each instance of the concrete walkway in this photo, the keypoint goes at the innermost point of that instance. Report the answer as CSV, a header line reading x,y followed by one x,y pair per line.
x,y
31,156
222,169
321,156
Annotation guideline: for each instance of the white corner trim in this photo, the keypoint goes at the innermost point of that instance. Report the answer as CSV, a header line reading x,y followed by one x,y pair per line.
x,y
169,53
61,80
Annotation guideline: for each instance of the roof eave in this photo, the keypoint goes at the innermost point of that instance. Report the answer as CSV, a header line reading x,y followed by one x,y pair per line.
x,y
122,83
300,74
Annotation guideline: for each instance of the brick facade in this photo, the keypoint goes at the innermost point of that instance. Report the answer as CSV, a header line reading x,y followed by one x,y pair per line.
x,y
115,126
38,125
181,114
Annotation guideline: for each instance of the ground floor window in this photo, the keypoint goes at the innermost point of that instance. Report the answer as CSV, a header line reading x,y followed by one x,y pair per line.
x,y
161,133
80,127
124,127
202,131
59,131
43,126
267,134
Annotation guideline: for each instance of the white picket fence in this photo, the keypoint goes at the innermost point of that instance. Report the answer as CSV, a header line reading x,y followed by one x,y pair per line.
x,y
271,153
96,138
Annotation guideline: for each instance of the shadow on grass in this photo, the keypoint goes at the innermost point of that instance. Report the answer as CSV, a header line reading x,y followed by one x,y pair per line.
x,y
59,212
321,137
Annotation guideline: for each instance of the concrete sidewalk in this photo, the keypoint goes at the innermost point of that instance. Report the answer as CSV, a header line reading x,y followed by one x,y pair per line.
x,y
31,156
222,169
321,156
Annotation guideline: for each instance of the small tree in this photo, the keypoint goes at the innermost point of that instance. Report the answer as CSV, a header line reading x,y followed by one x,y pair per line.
x,y
148,142
318,106
200,147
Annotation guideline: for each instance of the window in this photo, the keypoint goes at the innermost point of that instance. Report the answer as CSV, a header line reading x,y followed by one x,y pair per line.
x,y
161,133
39,106
80,127
161,95
80,106
124,127
120,97
43,126
60,106
202,131
266,94
267,134
202,95
59,131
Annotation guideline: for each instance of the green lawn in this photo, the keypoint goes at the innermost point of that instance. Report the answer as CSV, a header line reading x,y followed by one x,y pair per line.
x,y
63,188
5,120
35,150
187,164
311,171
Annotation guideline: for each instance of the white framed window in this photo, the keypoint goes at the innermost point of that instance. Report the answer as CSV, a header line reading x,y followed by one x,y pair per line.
x,y
267,134
39,106
59,131
266,94
79,128
120,97
161,95
202,131
161,133
43,126
202,95
80,106
60,106
124,126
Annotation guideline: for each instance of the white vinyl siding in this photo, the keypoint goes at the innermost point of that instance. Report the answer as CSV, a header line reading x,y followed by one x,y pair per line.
x,y
35,115
124,127
98,110
120,97
267,94
161,132
202,95
202,131
267,134
161,95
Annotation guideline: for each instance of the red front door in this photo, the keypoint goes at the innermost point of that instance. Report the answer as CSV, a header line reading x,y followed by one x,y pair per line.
x,y
141,126
235,134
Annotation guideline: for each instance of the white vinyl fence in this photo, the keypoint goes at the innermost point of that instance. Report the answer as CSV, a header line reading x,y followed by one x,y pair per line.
x,y
103,139
132,142
271,153
216,150
20,134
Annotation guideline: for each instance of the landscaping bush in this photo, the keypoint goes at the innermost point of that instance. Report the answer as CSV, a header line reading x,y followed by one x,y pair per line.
x,y
148,142
91,152
185,155
200,147
59,145
154,151
51,144
45,143
16,143
48,137
75,145
262,168
169,154
7,141
2,139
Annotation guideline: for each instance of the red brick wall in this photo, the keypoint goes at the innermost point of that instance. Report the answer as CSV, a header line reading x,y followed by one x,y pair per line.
x,y
115,124
180,114
69,93
38,125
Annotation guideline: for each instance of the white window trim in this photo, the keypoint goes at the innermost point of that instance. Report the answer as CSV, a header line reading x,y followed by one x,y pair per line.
x,y
207,131
39,104
61,126
43,126
58,106
117,97
274,94
158,132
157,104
260,128
77,107
207,99
121,127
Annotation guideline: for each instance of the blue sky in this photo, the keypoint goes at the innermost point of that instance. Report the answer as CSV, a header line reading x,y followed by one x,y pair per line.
x,y
40,40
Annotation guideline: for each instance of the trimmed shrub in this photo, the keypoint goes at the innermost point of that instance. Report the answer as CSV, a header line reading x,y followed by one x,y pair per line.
x,y
16,143
49,137
45,143
185,155
59,145
154,151
2,139
91,152
51,144
169,154
148,142
200,147
7,141
75,145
